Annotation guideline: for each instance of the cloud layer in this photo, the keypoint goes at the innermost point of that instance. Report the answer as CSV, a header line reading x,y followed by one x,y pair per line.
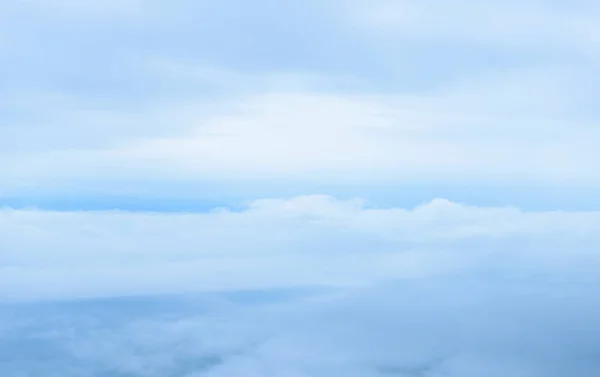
x,y
308,286
312,240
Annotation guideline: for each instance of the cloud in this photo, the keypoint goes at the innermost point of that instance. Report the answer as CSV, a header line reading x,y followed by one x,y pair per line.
x,y
314,240
514,127
462,326
329,103
312,134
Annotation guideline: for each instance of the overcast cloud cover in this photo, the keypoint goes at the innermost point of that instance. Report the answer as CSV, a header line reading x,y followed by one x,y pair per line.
x,y
299,189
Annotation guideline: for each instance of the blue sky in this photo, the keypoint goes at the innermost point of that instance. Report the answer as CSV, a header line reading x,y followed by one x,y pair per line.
x,y
197,98
360,188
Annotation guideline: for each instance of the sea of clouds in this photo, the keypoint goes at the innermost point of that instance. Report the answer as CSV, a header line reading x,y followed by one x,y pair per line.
x,y
309,286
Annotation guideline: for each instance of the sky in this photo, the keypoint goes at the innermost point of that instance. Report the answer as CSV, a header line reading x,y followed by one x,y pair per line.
x,y
135,101
299,189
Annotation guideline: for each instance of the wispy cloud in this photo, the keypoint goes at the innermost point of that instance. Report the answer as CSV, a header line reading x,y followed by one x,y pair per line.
x,y
200,103
511,128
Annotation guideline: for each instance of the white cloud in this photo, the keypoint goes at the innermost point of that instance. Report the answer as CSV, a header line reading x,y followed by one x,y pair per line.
x,y
516,126
529,123
273,243
460,327
443,289
343,136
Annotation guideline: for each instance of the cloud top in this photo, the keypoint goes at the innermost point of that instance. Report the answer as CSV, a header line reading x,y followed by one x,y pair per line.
x,y
310,240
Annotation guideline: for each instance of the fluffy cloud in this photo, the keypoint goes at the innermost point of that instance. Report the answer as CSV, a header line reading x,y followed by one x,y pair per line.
x,y
282,243
443,289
